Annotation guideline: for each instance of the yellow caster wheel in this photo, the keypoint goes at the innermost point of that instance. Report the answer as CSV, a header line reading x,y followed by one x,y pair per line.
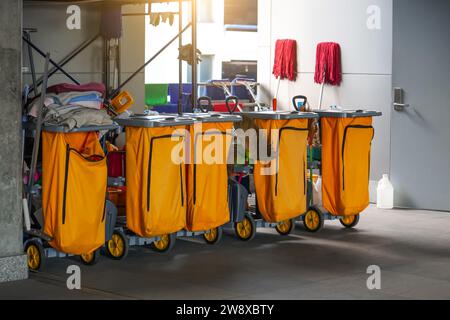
x,y
165,243
313,220
90,259
284,228
117,246
350,221
35,255
246,229
213,236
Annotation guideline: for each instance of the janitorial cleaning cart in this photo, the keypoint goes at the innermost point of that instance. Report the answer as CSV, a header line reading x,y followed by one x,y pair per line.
x,y
156,199
342,161
207,174
69,214
279,172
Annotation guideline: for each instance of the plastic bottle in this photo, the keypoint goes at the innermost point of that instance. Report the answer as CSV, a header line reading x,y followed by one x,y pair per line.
x,y
385,193
317,192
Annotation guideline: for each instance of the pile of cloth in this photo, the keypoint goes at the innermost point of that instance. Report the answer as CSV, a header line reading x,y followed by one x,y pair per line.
x,y
73,106
285,64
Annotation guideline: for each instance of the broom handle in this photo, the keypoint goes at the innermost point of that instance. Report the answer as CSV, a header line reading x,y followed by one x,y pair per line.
x,y
321,94
322,87
278,87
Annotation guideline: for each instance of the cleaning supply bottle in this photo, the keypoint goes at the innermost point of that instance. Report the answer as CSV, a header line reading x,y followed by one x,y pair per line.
x,y
385,193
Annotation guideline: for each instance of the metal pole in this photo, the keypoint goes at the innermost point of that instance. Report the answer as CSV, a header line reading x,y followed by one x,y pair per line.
x,y
119,62
50,60
67,59
37,138
148,62
194,53
107,66
32,68
180,62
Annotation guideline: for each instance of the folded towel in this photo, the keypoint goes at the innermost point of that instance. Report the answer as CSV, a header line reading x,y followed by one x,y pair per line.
x,y
76,118
68,87
89,99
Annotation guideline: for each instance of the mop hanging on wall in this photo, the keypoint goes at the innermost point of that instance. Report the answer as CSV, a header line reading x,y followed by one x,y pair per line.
x,y
328,66
285,64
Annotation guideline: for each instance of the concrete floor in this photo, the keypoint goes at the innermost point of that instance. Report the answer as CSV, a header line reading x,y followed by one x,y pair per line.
x,y
411,247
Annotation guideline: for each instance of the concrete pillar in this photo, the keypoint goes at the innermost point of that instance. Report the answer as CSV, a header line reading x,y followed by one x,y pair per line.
x,y
13,264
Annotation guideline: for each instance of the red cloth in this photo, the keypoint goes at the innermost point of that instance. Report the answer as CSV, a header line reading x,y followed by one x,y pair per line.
x,y
328,58
116,164
68,87
285,64
222,107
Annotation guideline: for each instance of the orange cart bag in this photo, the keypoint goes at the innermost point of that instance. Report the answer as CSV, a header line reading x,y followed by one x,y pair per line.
x,y
74,181
207,173
156,192
346,144
281,183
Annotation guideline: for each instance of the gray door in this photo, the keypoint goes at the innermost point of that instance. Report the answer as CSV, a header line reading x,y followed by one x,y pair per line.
x,y
420,142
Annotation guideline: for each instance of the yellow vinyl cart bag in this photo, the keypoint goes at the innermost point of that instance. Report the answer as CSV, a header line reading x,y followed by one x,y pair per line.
x,y
346,146
156,191
281,195
74,181
208,180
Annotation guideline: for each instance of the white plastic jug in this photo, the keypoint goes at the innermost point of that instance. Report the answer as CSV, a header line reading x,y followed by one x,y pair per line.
x,y
317,192
385,193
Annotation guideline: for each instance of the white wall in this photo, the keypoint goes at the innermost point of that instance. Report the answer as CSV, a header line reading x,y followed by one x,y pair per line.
x,y
366,58
133,53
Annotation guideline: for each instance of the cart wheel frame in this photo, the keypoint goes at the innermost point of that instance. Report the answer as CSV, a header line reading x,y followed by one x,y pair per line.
x,y
350,222
165,243
35,255
117,247
246,229
90,259
313,220
285,228
213,236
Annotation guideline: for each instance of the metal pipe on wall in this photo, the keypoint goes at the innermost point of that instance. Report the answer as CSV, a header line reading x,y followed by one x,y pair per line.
x,y
194,53
180,62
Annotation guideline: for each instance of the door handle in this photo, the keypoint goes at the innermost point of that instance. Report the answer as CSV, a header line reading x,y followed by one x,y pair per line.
x,y
400,106
399,99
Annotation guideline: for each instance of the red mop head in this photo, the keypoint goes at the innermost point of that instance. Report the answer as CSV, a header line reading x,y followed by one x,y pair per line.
x,y
285,64
328,64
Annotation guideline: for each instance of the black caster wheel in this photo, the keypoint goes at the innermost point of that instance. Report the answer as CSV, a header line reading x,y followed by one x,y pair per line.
x,y
90,259
313,220
213,236
35,255
246,229
284,228
165,243
350,222
117,246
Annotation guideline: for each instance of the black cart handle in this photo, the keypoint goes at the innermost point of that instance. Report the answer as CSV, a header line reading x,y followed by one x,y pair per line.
x,y
201,105
227,103
297,99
